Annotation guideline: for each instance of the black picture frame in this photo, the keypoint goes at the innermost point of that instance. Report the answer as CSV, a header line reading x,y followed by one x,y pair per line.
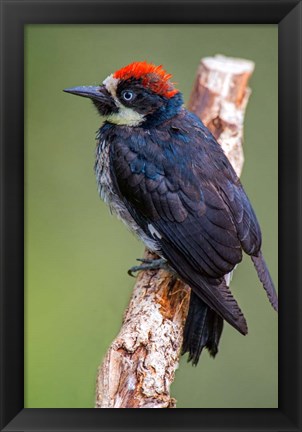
x,y
16,14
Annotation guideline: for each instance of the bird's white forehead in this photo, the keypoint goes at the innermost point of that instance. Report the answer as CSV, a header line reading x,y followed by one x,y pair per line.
x,y
111,84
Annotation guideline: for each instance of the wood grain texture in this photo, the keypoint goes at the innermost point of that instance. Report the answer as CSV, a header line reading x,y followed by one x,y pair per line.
x,y
140,365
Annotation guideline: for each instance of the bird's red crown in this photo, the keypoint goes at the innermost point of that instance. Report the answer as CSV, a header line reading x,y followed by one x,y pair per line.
x,y
152,77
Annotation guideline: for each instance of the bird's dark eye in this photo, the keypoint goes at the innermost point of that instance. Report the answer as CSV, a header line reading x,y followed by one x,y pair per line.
x,y
127,95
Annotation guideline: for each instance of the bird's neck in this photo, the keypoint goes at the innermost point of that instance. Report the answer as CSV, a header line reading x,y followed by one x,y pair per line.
x,y
164,113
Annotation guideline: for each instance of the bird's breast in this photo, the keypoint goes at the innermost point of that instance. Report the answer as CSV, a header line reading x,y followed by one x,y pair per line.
x,y
110,196
102,172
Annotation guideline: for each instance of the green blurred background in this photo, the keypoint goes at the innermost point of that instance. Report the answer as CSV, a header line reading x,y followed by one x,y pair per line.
x,y
77,254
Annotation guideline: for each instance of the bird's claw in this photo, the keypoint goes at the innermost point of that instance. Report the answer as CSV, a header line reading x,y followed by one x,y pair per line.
x,y
148,264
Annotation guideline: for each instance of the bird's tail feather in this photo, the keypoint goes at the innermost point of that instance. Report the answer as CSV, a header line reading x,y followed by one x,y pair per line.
x,y
203,329
214,292
266,279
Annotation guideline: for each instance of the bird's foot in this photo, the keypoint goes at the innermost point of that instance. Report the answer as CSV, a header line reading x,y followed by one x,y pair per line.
x,y
148,264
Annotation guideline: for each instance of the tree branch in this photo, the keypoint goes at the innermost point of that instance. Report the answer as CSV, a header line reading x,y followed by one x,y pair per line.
x,y
140,364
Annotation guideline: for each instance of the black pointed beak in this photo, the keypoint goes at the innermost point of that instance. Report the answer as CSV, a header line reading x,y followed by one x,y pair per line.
x,y
99,95
92,92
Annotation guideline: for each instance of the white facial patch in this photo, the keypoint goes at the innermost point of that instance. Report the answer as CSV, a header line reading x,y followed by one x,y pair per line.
x,y
125,116
111,85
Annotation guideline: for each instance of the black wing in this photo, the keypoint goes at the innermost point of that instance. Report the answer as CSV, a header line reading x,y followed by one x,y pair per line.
x,y
180,188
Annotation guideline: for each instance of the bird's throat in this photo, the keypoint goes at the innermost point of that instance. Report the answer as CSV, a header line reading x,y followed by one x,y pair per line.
x,y
126,117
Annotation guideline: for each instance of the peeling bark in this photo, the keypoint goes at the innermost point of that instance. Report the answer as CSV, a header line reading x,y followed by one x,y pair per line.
x,y
140,365
219,98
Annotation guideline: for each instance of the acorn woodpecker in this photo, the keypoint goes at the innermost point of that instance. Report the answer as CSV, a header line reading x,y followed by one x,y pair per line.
x,y
164,175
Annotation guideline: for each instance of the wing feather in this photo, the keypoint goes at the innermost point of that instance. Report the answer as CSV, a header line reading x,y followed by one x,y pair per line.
x,y
192,197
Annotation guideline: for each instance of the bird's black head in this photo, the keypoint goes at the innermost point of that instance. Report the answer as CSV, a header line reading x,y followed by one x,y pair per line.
x,y
139,94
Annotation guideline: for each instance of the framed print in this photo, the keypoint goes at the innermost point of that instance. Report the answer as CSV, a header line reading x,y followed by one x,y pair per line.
x,y
52,266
